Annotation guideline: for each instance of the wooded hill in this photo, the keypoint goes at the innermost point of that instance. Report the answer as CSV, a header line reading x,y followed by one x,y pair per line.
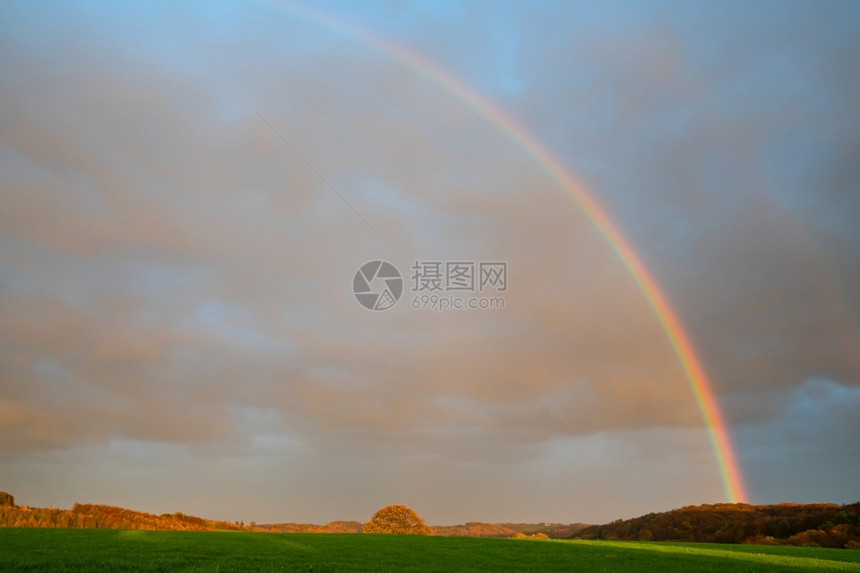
x,y
813,524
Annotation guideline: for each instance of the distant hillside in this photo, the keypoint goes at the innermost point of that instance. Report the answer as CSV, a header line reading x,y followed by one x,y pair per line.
x,y
814,524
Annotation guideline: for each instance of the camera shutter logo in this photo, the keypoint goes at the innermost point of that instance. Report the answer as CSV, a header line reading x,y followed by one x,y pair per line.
x,y
377,285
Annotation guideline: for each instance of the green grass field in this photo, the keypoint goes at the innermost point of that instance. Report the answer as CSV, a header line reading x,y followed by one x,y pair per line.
x,y
112,550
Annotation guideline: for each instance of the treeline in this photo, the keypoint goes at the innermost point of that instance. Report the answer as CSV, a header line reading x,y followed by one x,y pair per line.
x,y
469,529
478,529
90,516
815,524
331,527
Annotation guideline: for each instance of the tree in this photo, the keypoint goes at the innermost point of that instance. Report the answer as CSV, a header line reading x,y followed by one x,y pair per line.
x,y
6,500
397,520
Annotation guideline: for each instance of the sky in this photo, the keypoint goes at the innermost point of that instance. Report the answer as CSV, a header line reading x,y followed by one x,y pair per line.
x,y
188,190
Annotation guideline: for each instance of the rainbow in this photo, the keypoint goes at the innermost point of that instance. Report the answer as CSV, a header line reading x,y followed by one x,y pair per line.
x,y
730,469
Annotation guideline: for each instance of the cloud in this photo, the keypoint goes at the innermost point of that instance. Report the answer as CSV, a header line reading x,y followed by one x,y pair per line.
x,y
181,221
815,423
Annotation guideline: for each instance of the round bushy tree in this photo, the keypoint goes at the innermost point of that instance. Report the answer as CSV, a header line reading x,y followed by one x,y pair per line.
x,y
397,519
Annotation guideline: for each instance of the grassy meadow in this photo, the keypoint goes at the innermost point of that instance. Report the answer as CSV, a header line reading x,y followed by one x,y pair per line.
x,y
26,549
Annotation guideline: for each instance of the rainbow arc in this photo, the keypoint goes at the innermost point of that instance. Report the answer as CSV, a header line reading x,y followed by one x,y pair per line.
x,y
697,378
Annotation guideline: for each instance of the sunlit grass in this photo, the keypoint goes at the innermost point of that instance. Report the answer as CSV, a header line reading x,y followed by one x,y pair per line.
x,y
808,558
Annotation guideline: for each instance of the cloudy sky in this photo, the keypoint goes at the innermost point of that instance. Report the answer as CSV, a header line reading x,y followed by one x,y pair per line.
x,y
188,189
